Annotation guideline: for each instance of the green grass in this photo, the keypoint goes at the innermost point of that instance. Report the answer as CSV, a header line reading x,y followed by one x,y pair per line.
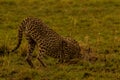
x,y
93,23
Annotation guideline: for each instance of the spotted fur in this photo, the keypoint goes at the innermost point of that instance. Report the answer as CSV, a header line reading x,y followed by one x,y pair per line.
x,y
71,49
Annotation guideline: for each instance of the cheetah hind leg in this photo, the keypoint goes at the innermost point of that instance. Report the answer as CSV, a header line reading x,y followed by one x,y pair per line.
x,y
31,47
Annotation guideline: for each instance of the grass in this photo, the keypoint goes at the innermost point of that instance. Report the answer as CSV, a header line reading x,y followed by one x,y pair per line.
x,y
95,24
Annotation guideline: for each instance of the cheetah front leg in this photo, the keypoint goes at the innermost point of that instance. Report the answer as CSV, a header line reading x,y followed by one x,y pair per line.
x,y
41,55
63,55
61,59
31,47
62,52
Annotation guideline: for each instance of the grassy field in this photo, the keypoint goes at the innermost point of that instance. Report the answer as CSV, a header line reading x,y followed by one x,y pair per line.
x,y
95,24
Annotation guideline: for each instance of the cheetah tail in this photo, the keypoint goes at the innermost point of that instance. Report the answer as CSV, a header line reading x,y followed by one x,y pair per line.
x,y
20,34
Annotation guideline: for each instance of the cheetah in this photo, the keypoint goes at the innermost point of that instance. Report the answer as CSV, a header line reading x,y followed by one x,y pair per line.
x,y
71,49
47,40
